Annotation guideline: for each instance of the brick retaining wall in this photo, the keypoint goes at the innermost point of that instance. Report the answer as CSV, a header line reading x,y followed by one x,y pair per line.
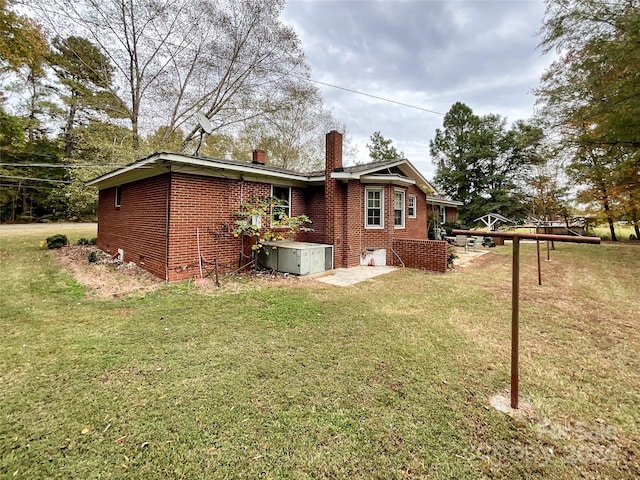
x,y
428,255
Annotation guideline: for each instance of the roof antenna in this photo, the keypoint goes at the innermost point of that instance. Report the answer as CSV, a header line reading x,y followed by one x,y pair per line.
x,y
205,127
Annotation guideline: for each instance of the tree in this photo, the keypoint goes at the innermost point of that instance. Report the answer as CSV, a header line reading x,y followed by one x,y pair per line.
x,y
381,148
292,135
86,81
597,76
30,173
175,58
99,147
22,41
590,94
547,190
482,163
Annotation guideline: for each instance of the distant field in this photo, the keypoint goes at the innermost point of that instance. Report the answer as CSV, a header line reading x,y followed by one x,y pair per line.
x,y
388,379
622,231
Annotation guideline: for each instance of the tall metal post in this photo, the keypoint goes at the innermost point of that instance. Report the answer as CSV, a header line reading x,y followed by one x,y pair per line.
x,y
515,287
539,270
515,314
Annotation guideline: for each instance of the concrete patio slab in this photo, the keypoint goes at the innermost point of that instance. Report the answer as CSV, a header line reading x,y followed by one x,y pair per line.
x,y
345,277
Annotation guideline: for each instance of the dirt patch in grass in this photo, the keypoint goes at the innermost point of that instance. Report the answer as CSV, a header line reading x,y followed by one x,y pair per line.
x,y
108,277
105,277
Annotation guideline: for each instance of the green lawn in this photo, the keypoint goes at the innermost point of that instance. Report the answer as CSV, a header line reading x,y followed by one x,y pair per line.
x,y
390,378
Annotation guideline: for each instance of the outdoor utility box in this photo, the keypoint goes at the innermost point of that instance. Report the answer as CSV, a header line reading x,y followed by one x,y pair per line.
x,y
298,258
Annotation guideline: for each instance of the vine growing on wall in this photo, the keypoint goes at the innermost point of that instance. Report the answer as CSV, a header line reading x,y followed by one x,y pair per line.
x,y
265,219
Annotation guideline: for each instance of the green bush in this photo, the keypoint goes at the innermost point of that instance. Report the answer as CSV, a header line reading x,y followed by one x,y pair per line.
x,y
87,241
93,257
57,241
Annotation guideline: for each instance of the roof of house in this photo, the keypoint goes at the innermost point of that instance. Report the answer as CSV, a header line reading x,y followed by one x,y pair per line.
x,y
399,171
164,162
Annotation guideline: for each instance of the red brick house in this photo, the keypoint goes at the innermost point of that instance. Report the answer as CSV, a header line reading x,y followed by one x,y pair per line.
x,y
158,211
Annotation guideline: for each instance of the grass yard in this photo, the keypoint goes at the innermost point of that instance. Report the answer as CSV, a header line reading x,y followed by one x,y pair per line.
x,y
390,378
622,231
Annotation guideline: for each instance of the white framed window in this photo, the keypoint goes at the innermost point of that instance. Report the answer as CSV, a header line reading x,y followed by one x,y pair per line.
x,y
118,201
374,208
398,208
443,214
284,194
411,206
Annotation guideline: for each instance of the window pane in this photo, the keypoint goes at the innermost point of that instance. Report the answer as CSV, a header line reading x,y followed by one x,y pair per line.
x,y
374,217
374,208
397,200
398,209
281,193
373,199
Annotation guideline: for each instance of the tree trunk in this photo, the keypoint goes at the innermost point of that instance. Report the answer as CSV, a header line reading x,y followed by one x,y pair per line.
x,y
637,229
13,203
68,130
607,210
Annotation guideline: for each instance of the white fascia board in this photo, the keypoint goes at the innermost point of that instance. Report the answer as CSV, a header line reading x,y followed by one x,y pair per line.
x,y
134,171
164,162
319,180
243,171
394,179
238,174
345,175
443,201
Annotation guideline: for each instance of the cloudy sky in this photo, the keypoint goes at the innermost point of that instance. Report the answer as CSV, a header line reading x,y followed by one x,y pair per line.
x,y
427,53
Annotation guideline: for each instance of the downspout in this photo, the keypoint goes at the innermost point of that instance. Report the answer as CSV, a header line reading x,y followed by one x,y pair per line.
x,y
166,238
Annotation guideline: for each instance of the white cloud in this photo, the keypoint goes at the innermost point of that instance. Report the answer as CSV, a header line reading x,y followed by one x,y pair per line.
x,y
424,53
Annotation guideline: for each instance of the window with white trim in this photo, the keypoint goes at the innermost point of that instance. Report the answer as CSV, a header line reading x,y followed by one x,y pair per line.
x,y
411,206
284,194
443,214
118,201
374,208
398,208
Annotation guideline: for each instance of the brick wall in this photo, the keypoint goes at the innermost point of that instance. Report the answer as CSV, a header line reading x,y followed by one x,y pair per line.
x,y
201,207
206,205
345,213
138,226
428,255
312,204
356,240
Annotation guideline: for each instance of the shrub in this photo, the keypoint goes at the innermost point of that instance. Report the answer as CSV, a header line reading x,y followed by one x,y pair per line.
x,y
93,257
87,241
57,241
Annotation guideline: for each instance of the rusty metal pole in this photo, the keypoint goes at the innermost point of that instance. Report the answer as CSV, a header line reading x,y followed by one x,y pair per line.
x,y
539,271
515,287
548,254
515,314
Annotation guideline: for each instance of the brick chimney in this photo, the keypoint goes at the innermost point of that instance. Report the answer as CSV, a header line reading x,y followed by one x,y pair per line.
x,y
258,157
333,152
334,199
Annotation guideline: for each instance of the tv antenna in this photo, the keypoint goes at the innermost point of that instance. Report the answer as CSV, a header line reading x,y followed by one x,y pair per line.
x,y
205,127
